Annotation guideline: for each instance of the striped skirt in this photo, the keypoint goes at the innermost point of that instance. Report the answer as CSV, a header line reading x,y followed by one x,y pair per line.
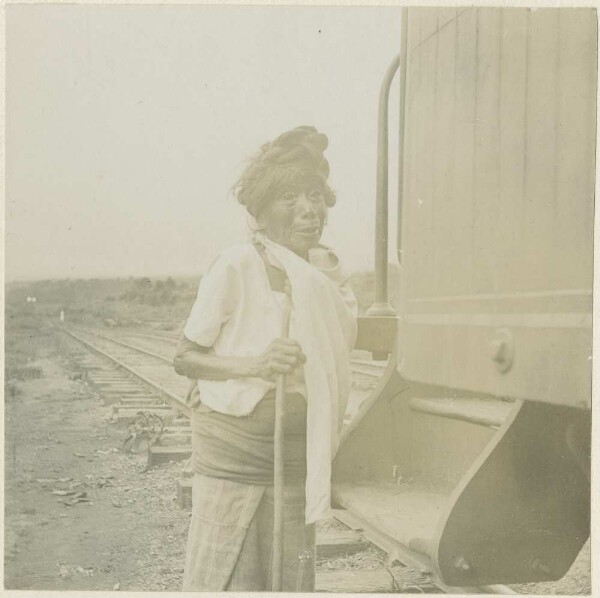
x,y
230,541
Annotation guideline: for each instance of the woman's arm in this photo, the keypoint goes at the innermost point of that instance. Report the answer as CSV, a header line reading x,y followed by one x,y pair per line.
x,y
194,361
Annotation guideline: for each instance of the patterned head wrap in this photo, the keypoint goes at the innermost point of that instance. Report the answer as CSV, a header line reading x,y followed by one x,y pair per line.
x,y
292,161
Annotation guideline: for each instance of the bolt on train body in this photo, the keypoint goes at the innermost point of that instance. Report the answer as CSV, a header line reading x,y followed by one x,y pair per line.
x,y
472,455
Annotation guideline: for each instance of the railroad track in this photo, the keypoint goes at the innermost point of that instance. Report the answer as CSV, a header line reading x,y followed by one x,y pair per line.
x,y
144,342
136,377
161,336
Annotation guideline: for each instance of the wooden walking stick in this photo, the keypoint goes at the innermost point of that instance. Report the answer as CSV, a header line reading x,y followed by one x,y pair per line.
x,y
278,539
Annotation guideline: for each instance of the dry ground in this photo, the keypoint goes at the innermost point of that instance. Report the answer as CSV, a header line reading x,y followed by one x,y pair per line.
x,y
127,532
129,536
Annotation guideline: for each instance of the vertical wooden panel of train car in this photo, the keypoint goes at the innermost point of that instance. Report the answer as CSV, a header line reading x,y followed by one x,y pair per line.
x,y
497,265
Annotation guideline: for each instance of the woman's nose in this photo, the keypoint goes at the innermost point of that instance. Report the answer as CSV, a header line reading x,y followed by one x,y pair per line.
x,y
304,205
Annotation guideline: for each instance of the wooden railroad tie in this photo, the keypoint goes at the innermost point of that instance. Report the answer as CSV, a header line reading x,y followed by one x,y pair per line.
x,y
105,383
163,454
335,543
113,398
127,413
149,400
175,439
382,580
184,493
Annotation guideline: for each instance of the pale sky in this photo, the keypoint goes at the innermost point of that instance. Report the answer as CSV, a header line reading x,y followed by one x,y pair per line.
x,y
126,127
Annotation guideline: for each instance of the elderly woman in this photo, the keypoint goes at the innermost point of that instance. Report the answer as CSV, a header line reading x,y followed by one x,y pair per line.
x,y
232,347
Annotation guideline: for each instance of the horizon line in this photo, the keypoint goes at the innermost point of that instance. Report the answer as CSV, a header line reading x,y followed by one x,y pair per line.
x,y
126,276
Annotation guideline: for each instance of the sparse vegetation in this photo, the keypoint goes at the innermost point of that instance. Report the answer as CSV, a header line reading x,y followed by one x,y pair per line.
x,y
161,303
122,302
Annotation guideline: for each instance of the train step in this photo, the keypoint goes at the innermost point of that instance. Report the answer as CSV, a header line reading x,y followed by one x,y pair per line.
x,y
407,513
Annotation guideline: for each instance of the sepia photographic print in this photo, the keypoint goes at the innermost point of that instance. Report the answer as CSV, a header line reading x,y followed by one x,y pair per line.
x,y
298,298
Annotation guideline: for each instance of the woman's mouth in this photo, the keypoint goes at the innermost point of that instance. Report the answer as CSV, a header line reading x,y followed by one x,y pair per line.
x,y
312,229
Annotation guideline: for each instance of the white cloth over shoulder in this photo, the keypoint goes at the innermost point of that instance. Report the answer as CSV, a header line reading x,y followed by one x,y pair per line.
x,y
237,314
325,327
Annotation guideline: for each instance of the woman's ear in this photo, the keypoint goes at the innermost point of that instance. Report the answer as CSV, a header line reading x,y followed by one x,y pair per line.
x,y
330,197
260,222
254,225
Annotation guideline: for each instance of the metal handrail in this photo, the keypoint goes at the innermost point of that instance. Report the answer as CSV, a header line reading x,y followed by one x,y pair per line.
x,y
381,305
401,122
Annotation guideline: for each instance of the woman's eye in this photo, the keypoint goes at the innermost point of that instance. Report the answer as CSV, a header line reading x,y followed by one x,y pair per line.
x,y
316,195
288,197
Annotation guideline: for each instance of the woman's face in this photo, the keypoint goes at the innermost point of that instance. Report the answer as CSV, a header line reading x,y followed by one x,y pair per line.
x,y
295,219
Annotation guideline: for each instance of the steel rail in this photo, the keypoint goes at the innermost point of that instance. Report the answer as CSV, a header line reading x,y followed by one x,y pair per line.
x,y
360,366
163,337
173,399
170,339
119,342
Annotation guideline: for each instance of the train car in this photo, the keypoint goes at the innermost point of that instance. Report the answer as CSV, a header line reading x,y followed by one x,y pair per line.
x,y
472,455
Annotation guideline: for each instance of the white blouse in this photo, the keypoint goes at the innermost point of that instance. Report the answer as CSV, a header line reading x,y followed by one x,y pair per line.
x,y
237,314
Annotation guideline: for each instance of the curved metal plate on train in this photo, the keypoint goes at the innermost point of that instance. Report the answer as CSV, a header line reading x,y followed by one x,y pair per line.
x,y
473,453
